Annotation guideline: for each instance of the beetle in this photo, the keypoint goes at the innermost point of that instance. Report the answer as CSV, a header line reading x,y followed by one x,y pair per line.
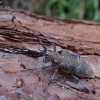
x,y
69,64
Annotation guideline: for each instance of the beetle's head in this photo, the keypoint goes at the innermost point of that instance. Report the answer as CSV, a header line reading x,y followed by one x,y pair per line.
x,y
49,54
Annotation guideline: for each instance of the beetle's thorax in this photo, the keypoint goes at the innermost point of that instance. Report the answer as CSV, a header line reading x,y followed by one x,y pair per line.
x,y
55,57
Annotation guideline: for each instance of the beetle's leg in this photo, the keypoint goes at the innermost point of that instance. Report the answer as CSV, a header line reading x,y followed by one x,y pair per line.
x,y
47,65
77,55
28,69
54,48
52,77
65,51
77,79
41,51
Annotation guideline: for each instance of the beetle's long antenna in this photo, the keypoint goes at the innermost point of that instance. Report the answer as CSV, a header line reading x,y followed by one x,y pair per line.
x,y
30,31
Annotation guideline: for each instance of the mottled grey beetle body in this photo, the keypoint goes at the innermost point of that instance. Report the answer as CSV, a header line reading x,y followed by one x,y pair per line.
x,y
69,64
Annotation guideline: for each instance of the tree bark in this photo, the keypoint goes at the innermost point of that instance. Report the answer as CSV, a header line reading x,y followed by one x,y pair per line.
x,y
18,49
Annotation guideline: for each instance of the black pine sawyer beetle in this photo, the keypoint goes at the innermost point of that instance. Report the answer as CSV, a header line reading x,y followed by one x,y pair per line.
x,y
70,65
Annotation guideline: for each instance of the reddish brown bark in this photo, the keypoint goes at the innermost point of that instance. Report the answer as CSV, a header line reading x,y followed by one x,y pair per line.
x,y
74,35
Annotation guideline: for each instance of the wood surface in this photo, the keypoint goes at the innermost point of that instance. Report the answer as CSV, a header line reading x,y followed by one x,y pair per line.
x,y
72,35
